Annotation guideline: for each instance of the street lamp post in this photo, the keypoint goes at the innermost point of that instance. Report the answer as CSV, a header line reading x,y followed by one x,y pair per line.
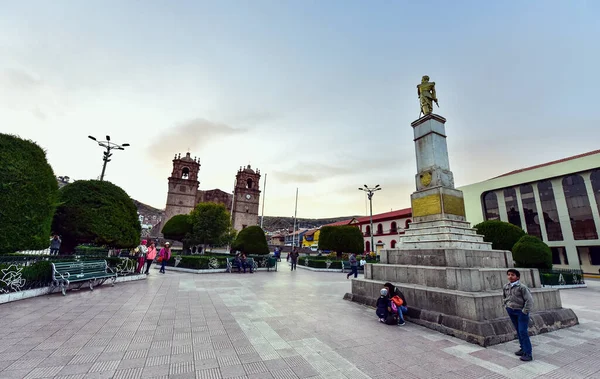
x,y
370,192
107,154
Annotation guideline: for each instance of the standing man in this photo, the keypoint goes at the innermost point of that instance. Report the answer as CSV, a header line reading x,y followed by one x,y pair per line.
x,y
55,245
353,266
427,96
294,258
518,303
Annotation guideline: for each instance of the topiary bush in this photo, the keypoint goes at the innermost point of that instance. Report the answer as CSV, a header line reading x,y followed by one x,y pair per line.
x,y
96,212
502,235
531,252
251,240
177,228
341,239
28,193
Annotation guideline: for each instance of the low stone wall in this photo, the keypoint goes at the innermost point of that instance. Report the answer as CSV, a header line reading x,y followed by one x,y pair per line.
x,y
448,257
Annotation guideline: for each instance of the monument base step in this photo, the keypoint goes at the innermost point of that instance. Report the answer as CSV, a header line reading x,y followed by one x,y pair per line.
x,y
448,257
483,333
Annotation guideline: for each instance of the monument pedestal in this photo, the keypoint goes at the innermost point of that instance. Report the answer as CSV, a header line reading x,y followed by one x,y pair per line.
x,y
451,278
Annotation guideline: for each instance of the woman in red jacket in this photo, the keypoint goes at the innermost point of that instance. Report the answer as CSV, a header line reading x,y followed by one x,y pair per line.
x,y
165,255
150,256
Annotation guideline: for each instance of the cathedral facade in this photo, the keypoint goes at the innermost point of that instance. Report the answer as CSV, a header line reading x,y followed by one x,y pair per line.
x,y
184,194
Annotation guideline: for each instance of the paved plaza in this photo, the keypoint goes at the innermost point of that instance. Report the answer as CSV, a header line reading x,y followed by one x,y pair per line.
x,y
280,325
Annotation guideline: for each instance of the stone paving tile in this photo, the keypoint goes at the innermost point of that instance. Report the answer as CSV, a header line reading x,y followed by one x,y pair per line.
x,y
187,326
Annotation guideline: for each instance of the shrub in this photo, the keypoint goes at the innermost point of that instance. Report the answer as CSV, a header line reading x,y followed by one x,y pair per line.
x,y
502,235
28,193
96,212
196,262
531,252
177,228
251,240
342,239
38,272
210,225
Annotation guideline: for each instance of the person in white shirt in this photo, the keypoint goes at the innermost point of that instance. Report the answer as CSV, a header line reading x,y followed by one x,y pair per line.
x,y
362,262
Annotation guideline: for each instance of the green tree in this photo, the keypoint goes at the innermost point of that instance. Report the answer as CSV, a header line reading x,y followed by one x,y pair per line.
x,y
341,239
251,240
210,224
28,195
502,235
96,212
531,252
177,228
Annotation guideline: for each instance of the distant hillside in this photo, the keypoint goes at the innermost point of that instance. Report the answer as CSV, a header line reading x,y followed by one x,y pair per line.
x,y
271,223
274,223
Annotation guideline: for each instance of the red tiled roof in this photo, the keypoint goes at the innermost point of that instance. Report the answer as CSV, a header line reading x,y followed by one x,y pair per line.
x,y
406,212
310,232
549,163
343,222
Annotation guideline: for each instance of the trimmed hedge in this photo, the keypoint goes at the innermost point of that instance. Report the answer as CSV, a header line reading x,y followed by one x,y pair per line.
x,y
502,235
251,240
531,252
28,193
96,212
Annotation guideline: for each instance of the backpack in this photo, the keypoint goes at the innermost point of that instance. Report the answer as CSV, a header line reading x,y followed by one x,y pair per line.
x,y
390,319
397,301
394,307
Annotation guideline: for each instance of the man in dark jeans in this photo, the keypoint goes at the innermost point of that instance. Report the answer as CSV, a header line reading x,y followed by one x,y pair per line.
x,y
518,303
294,258
353,266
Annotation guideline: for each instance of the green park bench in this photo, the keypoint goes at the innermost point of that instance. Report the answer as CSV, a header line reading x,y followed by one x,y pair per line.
x,y
92,272
346,266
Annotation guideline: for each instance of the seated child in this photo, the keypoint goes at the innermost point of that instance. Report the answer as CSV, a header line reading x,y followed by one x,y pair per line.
x,y
383,305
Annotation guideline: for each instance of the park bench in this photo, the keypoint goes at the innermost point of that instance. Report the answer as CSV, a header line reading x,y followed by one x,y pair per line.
x,y
92,272
346,266
230,262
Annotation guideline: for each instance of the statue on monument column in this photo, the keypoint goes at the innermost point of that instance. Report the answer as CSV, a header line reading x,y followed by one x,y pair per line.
x,y
426,93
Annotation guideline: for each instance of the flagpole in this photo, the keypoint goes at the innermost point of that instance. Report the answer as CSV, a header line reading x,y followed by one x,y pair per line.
x,y
295,214
262,216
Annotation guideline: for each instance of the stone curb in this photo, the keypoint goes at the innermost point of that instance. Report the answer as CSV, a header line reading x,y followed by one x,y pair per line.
x,y
320,269
205,271
22,295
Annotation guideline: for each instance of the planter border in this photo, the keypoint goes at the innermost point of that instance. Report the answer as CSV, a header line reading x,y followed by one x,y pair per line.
x,y
565,286
27,294
319,269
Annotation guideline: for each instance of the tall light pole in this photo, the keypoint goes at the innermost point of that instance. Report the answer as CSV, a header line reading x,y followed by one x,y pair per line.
x,y
370,192
107,154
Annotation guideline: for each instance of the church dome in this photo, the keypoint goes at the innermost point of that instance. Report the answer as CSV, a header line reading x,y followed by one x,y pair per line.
x,y
249,170
187,158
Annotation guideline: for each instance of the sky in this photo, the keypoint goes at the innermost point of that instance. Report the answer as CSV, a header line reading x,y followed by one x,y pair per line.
x,y
319,95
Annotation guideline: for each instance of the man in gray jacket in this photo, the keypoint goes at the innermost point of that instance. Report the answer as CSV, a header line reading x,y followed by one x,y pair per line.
x,y
353,266
518,303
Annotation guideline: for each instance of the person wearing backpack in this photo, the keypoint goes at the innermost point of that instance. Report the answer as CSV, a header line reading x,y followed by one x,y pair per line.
x,y
398,300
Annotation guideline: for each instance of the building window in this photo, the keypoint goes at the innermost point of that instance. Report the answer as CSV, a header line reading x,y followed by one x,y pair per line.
x,y
407,224
532,220
185,173
580,211
512,207
249,183
368,247
594,255
595,177
394,227
368,231
556,255
490,204
393,244
549,211
379,229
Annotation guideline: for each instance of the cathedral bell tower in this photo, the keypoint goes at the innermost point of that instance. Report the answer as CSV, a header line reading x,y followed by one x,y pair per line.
x,y
183,186
246,198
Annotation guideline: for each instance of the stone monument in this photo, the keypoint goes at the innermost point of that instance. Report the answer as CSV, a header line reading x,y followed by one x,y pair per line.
x,y
451,278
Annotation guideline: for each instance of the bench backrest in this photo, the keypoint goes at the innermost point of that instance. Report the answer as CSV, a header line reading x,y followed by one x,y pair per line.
x,y
79,267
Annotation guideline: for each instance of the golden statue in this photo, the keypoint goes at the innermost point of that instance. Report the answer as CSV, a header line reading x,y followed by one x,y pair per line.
x,y
426,93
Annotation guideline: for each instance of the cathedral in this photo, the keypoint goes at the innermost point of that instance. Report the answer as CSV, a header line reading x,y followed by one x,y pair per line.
x,y
183,193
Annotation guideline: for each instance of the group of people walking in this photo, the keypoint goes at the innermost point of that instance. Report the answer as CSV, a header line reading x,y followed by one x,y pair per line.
x,y
147,253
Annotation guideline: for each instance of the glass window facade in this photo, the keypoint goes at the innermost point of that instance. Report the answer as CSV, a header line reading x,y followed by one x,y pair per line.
x,y
512,207
555,256
490,203
595,178
532,221
580,211
595,255
549,211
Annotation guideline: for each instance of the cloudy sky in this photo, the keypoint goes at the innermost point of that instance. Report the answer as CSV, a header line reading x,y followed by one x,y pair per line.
x,y
317,94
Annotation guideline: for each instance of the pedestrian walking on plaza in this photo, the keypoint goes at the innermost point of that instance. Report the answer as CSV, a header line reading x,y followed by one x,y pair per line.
x,y
353,266
165,255
293,256
518,302
55,245
150,256
141,252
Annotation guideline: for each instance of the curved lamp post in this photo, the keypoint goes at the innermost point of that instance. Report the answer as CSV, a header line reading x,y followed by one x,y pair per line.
x,y
107,154
370,192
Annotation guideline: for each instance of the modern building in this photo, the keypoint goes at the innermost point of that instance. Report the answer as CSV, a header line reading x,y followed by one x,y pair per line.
x,y
565,192
387,228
